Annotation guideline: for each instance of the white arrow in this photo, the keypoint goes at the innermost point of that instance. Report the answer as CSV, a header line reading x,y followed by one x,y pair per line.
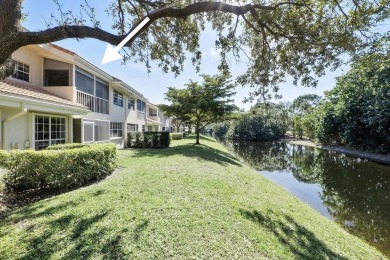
x,y
112,53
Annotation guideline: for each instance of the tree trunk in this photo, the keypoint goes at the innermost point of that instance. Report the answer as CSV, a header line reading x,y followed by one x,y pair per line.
x,y
10,15
197,130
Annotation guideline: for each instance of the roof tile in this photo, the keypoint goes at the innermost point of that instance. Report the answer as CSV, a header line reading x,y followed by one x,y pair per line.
x,y
15,88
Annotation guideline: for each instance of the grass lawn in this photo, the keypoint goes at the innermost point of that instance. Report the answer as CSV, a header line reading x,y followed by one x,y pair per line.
x,y
183,202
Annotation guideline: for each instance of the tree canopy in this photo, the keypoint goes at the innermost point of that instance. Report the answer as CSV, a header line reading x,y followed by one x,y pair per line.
x,y
276,38
204,103
305,103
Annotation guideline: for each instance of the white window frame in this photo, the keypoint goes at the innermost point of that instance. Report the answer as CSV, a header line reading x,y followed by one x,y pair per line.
x,y
128,103
135,127
50,139
119,94
92,122
142,102
152,114
118,127
17,70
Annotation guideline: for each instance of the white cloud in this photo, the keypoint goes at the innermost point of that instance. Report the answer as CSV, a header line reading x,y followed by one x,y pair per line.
x,y
214,52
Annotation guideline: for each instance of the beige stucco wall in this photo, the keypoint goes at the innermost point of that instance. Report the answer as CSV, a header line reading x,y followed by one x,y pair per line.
x,y
26,56
68,92
16,131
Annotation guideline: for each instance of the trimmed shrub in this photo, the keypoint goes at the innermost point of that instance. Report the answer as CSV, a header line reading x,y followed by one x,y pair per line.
x,y
129,140
4,157
177,136
155,140
66,146
165,139
138,141
59,169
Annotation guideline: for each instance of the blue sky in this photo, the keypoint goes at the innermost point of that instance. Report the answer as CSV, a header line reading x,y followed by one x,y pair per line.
x,y
155,84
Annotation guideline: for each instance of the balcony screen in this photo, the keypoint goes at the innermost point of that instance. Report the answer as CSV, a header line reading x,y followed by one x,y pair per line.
x,y
84,83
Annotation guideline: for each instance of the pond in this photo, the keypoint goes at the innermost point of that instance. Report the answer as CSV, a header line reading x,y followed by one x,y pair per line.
x,y
354,193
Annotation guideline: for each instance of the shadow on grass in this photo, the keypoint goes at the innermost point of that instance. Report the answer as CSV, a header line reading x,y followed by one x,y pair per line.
x,y
139,228
201,152
202,137
45,232
11,200
81,238
300,241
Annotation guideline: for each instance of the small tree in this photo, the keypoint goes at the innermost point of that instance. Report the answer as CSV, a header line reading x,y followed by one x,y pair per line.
x,y
204,103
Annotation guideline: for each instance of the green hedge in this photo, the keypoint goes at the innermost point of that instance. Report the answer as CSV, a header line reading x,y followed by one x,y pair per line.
x,y
4,156
177,136
59,169
66,146
155,140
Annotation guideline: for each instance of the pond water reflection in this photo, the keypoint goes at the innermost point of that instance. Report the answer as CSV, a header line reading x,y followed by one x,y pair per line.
x,y
353,192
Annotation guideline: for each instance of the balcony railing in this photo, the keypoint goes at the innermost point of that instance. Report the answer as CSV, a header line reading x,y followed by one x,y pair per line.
x,y
94,104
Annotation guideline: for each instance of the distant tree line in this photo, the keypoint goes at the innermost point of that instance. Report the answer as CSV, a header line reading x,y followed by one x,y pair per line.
x,y
264,122
355,113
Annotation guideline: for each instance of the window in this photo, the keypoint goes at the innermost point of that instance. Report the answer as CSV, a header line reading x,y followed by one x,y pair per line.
x,y
141,105
88,131
101,131
22,71
130,103
116,129
56,77
92,93
101,101
143,128
49,130
85,82
163,128
118,98
152,112
101,89
132,128
96,131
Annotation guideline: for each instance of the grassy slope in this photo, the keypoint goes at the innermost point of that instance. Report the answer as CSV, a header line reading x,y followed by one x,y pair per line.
x,y
182,202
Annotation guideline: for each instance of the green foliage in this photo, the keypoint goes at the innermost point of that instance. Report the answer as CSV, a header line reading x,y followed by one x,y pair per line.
x,y
330,125
305,103
357,110
297,126
4,157
303,116
255,128
217,130
202,104
155,140
176,136
59,169
296,38
309,125
66,146
129,139
264,121
138,141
